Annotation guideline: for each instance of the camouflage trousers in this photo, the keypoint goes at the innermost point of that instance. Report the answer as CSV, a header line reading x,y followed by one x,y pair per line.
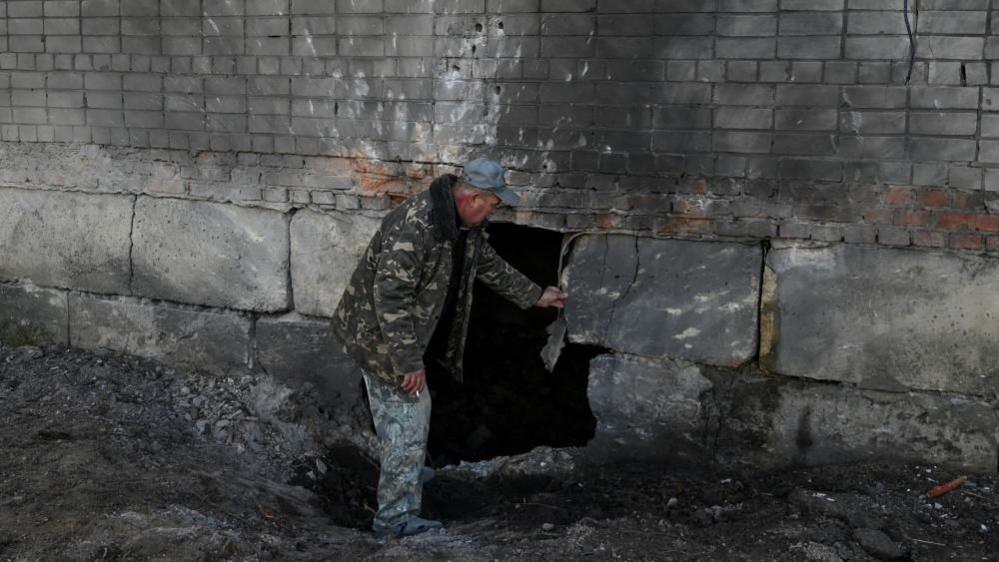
x,y
402,423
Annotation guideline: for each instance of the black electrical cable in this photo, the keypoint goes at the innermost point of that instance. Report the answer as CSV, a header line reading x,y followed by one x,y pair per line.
x,y
912,42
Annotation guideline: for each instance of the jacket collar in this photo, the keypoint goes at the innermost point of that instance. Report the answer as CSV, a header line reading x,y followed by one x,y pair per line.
x,y
443,214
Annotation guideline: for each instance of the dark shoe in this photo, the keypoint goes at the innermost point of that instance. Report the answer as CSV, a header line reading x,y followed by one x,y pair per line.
x,y
408,528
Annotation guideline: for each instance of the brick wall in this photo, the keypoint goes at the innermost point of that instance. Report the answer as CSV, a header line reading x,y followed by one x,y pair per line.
x,y
731,118
194,180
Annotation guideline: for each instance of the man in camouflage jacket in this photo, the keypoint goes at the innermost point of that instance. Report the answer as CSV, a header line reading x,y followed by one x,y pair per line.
x,y
411,297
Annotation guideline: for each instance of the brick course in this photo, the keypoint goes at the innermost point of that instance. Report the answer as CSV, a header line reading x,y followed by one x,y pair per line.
x,y
771,111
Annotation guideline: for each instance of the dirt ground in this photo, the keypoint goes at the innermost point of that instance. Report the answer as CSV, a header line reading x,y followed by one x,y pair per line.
x,y
108,457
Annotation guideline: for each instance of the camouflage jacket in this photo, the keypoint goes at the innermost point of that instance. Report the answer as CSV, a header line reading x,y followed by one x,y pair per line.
x,y
395,297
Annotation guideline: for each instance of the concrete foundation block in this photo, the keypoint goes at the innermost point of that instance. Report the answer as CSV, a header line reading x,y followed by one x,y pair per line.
x,y
295,350
883,318
211,340
211,254
66,240
31,315
325,249
646,409
665,298
817,424
680,412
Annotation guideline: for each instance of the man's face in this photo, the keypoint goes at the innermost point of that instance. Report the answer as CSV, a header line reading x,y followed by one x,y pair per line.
x,y
477,208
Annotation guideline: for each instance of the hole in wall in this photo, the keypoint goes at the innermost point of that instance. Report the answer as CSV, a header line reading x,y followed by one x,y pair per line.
x,y
500,25
508,403
478,27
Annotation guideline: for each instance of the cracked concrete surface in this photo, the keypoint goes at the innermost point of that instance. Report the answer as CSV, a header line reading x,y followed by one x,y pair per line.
x,y
665,298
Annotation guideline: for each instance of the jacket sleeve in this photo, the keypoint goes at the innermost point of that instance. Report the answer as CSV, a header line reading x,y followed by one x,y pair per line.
x,y
397,273
501,277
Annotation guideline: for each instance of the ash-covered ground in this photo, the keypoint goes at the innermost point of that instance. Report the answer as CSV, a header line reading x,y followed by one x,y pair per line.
x,y
109,457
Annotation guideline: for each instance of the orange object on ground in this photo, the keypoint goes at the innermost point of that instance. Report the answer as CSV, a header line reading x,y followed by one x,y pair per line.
x,y
943,489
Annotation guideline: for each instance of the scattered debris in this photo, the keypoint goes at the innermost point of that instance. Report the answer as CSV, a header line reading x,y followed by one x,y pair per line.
x,y
110,457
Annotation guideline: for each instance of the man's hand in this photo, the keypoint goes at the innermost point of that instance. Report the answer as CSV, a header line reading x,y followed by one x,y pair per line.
x,y
414,383
553,296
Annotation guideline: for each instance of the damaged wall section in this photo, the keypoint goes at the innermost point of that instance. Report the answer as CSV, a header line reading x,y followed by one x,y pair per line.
x,y
867,353
195,180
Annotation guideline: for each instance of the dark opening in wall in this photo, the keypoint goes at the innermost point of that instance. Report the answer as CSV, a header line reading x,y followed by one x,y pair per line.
x,y
508,403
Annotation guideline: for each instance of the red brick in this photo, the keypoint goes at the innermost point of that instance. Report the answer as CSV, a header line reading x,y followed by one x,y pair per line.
x,y
992,243
523,217
934,198
966,241
878,216
912,218
987,223
950,220
700,207
678,225
609,221
929,239
701,186
898,196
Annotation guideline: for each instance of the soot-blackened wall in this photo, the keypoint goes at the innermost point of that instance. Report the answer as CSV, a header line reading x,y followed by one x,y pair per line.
x,y
194,180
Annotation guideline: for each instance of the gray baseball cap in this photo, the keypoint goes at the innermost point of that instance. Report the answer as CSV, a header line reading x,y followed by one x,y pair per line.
x,y
487,175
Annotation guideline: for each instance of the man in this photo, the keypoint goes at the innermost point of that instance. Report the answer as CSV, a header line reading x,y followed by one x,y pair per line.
x,y
409,299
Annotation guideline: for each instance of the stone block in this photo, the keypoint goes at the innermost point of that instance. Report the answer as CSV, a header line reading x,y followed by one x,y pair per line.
x,y
325,249
211,254
665,298
215,341
807,95
944,97
646,409
820,48
32,315
810,23
685,413
743,94
943,123
295,350
882,318
877,48
940,149
67,240
815,424
877,97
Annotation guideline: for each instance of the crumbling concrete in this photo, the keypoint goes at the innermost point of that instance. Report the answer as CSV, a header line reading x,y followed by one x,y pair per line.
x,y
645,408
665,298
65,240
297,350
882,318
32,315
683,412
820,424
325,249
212,340
211,254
